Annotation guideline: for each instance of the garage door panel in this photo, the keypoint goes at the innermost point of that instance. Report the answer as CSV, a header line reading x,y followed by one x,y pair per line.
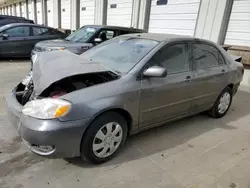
x,y
175,9
120,12
50,13
240,16
235,26
87,16
172,31
119,1
66,14
18,10
39,11
238,42
175,17
181,24
238,35
174,2
241,6
238,31
118,22
31,10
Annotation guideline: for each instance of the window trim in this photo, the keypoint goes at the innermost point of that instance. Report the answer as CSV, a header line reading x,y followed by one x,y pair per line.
x,y
208,44
30,30
147,65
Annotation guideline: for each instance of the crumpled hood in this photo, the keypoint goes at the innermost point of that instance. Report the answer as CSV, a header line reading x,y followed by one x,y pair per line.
x,y
51,67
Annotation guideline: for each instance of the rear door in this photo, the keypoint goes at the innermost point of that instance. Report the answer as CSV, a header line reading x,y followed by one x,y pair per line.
x,y
41,33
17,43
210,75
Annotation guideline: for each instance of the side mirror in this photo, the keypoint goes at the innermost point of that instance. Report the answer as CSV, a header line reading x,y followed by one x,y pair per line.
x,y
155,71
97,40
4,36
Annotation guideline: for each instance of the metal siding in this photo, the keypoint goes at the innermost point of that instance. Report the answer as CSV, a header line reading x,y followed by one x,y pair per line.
x,y
39,12
9,10
18,13
122,14
50,13
238,32
13,10
66,14
87,17
176,17
24,10
31,10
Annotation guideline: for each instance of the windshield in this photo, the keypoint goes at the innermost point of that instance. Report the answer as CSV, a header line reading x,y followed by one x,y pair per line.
x,y
82,35
121,54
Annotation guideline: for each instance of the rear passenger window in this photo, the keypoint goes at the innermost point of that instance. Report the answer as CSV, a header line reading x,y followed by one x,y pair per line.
x,y
174,58
206,56
39,31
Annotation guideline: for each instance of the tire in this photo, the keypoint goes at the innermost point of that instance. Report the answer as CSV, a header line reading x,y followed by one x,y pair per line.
x,y
101,126
216,112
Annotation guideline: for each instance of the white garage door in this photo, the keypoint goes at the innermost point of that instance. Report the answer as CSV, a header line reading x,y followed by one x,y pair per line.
x,y
24,10
120,12
87,12
50,11
174,16
18,13
66,14
238,32
9,10
31,9
39,13
13,10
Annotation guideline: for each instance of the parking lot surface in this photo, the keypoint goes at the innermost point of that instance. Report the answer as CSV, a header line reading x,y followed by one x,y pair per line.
x,y
197,152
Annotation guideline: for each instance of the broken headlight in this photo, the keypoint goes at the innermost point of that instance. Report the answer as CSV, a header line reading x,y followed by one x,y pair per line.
x,y
46,108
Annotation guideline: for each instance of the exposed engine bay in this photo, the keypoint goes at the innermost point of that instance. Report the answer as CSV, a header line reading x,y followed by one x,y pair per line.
x,y
25,90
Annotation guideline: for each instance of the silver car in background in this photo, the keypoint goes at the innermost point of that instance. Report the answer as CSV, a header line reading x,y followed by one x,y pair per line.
x,y
87,105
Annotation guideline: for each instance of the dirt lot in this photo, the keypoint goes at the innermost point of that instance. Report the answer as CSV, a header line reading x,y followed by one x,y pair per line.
x,y
194,152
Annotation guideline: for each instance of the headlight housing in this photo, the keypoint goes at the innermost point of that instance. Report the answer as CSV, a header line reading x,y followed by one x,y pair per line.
x,y
55,48
46,108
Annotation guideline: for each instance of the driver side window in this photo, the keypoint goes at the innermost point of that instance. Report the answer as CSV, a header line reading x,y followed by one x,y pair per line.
x,y
22,31
174,58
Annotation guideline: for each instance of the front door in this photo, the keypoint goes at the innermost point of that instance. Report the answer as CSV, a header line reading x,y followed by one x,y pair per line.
x,y
15,44
163,99
210,75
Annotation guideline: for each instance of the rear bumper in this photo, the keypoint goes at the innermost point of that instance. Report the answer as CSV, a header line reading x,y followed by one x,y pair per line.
x,y
63,137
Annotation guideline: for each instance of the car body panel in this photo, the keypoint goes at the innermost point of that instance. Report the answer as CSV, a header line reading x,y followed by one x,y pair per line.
x,y
70,64
50,132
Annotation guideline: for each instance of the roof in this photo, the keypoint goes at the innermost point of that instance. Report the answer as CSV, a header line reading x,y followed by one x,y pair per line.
x,y
115,27
15,17
159,36
21,24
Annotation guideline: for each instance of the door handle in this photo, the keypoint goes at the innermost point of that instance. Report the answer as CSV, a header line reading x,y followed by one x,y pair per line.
x,y
188,79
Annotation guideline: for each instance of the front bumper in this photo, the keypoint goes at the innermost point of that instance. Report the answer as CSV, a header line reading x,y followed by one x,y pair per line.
x,y
64,137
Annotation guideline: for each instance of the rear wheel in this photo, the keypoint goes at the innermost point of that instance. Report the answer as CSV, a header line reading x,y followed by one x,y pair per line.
x,y
222,104
104,137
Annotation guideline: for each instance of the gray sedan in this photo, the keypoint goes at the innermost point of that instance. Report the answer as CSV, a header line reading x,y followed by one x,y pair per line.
x,y
87,105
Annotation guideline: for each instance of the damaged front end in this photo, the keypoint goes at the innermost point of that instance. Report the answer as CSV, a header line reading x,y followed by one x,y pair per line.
x,y
59,73
25,90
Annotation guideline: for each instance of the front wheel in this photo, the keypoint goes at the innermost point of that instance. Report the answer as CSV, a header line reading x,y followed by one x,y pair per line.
x,y
222,104
104,137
